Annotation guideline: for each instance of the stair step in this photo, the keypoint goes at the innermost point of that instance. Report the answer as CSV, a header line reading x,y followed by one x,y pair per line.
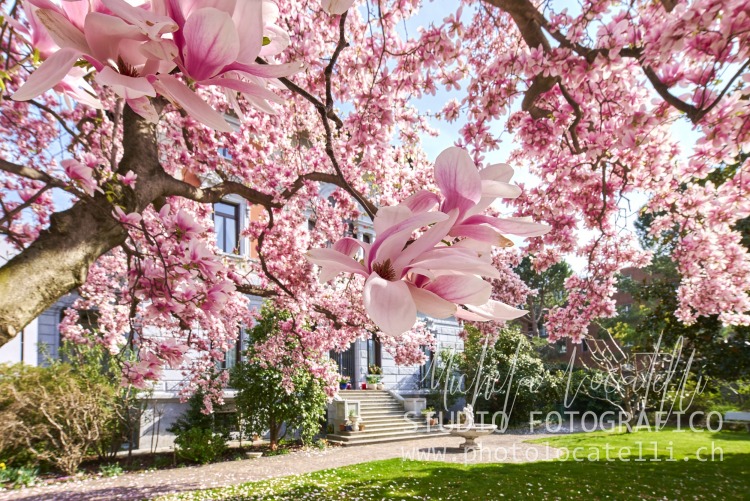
x,y
370,427
374,414
371,439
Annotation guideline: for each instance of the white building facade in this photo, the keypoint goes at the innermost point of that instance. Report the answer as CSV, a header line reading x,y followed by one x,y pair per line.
x,y
40,340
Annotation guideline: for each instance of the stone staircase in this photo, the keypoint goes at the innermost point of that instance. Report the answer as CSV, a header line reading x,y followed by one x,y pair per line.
x,y
384,419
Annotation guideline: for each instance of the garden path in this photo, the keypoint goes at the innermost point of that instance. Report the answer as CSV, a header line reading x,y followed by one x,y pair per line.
x,y
145,485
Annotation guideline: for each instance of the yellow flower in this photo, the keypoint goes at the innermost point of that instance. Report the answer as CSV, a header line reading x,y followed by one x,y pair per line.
x,y
2,466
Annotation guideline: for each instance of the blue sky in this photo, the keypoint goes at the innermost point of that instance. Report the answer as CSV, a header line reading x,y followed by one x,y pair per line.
x,y
434,12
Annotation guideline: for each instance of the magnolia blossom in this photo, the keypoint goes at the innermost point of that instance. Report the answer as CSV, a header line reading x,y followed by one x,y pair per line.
x,y
82,175
439,272
336,6
135,49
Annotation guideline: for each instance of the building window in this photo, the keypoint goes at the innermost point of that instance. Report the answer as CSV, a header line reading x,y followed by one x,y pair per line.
x,y
233,354
374,355
562,346
366,238
227,227
584,345
425,376
87,319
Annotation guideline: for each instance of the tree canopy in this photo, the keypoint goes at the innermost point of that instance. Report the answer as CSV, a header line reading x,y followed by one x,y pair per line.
x,y
123,121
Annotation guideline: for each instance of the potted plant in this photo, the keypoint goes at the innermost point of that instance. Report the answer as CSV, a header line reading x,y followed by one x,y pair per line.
x,y
361,426
342,427
375,377
353,419
372,381
343,382
428,413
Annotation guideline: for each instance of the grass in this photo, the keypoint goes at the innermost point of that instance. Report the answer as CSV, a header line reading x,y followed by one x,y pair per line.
x,y
683,478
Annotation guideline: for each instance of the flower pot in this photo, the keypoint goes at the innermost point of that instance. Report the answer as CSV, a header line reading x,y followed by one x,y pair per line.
x,y
342,386
361,426
342,427
253,455
372,386
349,428
380,386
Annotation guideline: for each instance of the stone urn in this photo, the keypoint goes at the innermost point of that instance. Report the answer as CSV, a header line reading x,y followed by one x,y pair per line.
x,y
470,434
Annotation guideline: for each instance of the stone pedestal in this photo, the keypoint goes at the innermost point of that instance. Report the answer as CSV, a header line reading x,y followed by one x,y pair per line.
x,y
470,434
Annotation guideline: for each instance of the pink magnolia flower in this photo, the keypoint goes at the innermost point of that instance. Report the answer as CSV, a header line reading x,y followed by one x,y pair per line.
x,y
172,352
336,7
134,50
405,274
82,174
131,219
129,178
471,192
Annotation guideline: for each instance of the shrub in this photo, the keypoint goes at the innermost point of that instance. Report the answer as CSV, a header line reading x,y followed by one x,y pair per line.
x,y
18,477
518,372
195,417
52,414
200,445
110,469
279,397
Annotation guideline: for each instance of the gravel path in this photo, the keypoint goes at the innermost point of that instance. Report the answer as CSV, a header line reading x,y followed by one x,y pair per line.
x,y
136,486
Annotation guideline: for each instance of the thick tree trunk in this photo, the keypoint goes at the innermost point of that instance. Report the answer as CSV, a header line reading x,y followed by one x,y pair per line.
x,y
58,261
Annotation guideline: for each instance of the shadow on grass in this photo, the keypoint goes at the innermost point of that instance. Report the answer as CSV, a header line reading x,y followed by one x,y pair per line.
x,y
397,479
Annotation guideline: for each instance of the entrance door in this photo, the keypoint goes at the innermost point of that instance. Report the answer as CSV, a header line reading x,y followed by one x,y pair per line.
x,y
345,361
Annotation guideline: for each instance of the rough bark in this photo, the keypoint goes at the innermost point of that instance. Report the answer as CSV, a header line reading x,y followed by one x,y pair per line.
x,y
58,261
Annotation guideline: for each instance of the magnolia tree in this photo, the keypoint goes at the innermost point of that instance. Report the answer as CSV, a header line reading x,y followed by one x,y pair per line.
x,y
114,113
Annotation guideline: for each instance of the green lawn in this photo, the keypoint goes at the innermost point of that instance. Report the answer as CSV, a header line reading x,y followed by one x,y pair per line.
x,y
684,478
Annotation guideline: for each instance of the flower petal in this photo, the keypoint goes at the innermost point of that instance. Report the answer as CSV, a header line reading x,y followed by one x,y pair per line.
x,y
336,7
268,70
421,201
492,310
455,259
333,262
481,233
350,246
49,74
389,243
211,42
144,108
148,22
389,216
278,40
389,305
247,88
104,34
521,226
497,172
248,18
178,92
431,304
125,86
62,31
425,242
458,179
461,289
